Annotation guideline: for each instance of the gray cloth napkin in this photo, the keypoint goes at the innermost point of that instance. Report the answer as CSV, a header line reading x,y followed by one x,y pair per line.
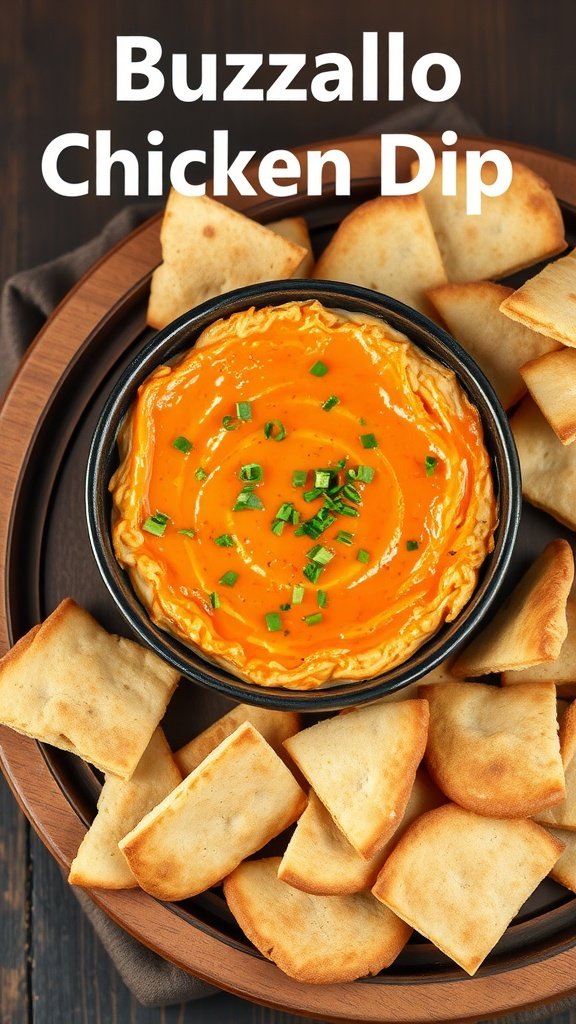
x,y
28,299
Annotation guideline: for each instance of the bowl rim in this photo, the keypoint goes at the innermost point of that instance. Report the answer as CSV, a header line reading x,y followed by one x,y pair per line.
x,y
180,335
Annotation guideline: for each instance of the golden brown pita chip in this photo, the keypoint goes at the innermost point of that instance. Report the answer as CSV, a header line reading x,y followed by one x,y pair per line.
x,y
564,870
315,939
274,726
319,859
514,230
362,766
551,380
72,684
240,797
495,751
460,878
563,815
441,674
530,627
208,249
388,245
121,805
548,467
295,229
561,671
472,314
546,303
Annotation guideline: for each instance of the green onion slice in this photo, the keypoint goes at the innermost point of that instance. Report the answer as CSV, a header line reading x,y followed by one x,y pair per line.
x,y
299,477
363,555
350,492
314,619
182,444
312,494
156,524
412,545
330,403
252,472
312,571
319,369
228,579
244,411
323,479
285,607
298,592
188,533
322,598
320,554
247,500
274,430
285,511
368,440
230,423
225,540
273,622
430,464
365,474
200,473
214,600
278,526
345,537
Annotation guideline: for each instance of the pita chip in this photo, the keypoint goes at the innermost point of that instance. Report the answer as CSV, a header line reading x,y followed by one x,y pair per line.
x,y
551,380
500,347
513,230
561,671
121,805
564,870
274,726
209,249
239,797
362,766
386,244
71,684
546,303
548,467
531,626
295,229
314,939
495,751
459,878
563,814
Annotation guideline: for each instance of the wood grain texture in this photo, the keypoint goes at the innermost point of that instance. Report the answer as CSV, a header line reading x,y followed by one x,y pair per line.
x,y
14,911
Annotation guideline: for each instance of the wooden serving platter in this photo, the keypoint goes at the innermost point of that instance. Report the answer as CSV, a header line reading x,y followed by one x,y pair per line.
x,y
46,424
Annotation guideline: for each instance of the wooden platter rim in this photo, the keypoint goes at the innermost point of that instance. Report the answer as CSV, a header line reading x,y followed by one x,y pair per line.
x,y
90,303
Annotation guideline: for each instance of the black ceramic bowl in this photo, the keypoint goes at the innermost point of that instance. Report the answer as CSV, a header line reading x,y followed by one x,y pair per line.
x,y
180,336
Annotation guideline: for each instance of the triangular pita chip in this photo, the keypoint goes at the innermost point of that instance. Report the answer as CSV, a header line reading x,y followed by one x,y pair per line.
x,y
388,245
472,314
551,380
274,726
70,683
563,815
441,674
121,805
319,858
362,766
240,797
315,939
495,751
548,467
561,671
514,230
459,878
564,870
547,302
530,627
209,249
295,229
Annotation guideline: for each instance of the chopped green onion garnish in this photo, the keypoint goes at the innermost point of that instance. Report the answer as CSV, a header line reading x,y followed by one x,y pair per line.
x,y
299,477
412,545
252,471
368,440
230,423
200,473
277,527
285,607
312,495
350,492
188,533
345,537
274,430
273,622
300,531
363,555
156,524
214,600
244,411
315,526
182,444
295,517
341,463
228,579
363,473
346,510
322,479
225,540
330,403
314,619
312,571
430,464
322,598
285,511
247,500
320,554
298,592
319,369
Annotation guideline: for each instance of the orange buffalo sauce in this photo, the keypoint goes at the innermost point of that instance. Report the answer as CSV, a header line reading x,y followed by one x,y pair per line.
x,y
318,491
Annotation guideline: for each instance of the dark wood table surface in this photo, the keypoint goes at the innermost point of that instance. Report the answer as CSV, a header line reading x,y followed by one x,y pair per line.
x,y
57,75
